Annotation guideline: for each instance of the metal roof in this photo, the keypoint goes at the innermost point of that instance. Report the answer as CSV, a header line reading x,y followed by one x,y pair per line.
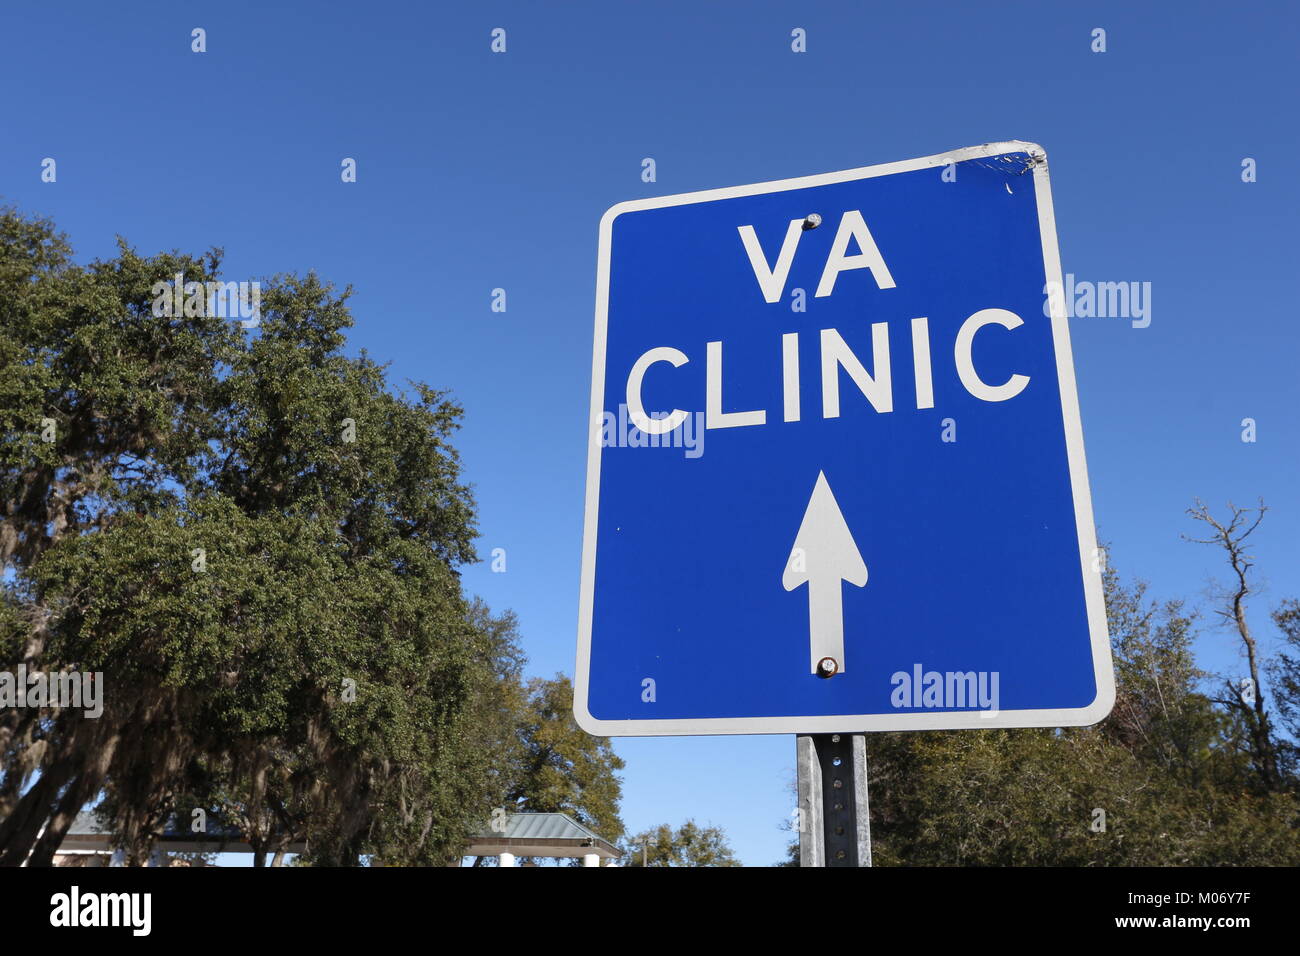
x,y
532,826
87,824
540,826
525,834
540,834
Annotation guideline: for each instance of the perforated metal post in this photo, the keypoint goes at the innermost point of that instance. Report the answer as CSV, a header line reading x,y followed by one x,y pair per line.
x,y
834,823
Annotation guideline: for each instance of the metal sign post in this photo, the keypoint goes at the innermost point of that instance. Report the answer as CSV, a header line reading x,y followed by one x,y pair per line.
x,y
834,822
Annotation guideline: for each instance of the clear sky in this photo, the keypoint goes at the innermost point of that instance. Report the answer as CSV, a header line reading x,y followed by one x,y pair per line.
x,y
479,170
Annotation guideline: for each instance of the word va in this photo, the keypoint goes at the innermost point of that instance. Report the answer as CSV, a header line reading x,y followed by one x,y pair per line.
x,y
875,385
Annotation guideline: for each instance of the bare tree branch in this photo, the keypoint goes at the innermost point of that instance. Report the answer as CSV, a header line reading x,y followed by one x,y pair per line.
x,y
1231,536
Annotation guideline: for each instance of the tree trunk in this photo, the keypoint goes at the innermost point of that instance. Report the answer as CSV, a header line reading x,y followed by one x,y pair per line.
x,y
18,831
81,792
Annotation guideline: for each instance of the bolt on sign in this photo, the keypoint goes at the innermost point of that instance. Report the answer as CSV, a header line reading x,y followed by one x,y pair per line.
x,y
836,475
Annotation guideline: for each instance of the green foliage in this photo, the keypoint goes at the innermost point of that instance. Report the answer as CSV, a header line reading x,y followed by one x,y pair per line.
x,y
1284,675
275,606
1168,768
688,845
563,769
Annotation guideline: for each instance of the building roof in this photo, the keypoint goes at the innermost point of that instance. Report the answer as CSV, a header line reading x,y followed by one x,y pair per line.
x,y
525,834
87,834
540,826
540,834
87,824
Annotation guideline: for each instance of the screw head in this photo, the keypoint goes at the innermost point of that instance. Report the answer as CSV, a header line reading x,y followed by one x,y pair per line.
x,y
827,667
812,221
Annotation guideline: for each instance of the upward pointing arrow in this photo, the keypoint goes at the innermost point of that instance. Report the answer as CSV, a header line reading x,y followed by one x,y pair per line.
x,y
823,555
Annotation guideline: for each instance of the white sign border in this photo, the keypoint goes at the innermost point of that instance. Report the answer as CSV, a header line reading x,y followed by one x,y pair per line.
x,y
858,723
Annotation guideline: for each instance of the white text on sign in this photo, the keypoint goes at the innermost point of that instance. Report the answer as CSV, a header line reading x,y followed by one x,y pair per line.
x,y
875,385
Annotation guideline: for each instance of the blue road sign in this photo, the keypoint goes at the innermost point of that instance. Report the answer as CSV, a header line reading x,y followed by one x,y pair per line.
x,y
836,478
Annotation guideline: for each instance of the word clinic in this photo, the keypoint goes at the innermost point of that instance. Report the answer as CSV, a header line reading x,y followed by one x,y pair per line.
x,y
875,385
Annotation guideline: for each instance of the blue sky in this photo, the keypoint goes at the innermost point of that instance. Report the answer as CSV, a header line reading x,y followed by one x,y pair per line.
x,y
479,170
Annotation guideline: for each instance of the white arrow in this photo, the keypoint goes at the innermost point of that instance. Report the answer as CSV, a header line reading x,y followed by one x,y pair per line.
x,y
824,554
